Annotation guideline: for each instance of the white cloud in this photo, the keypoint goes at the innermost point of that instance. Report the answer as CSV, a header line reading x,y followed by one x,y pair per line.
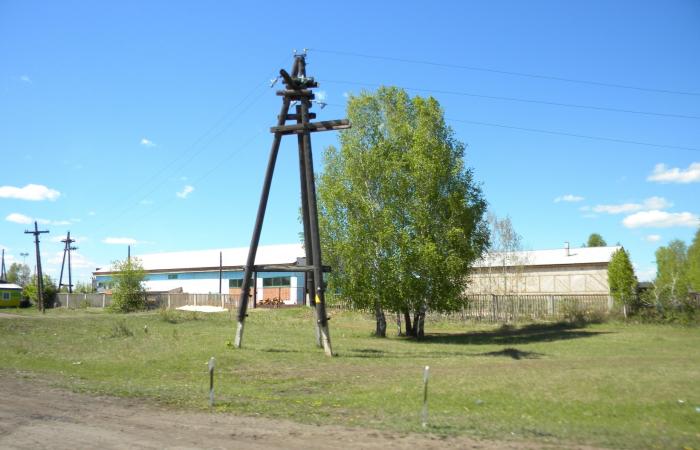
x,y
661,219
568,198
187,190
21,218
652,238
18,218
25,79
645,274
147,142
33,192
321,96
92,213
146,202
119,241
663,174
651,203
77,261
346,94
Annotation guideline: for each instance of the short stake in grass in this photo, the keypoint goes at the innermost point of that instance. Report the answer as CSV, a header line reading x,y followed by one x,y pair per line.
x,y
212,363
424,414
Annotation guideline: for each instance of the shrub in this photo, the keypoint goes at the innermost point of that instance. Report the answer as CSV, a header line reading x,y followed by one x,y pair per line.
x,y
128,293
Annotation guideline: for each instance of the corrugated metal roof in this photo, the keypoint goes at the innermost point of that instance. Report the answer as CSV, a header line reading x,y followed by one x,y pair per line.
x,y
10,286
267,254
560,256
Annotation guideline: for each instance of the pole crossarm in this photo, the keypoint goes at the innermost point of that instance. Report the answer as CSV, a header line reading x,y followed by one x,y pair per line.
x,y
298,90
326,125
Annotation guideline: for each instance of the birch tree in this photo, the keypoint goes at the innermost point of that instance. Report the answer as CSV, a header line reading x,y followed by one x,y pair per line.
x,y
401,217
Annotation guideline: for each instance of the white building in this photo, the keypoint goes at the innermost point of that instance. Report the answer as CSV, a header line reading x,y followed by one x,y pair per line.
x,y
560,271
199,272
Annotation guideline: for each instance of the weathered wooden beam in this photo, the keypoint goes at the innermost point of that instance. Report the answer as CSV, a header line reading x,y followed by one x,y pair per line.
x,y
287,268
297,94
297,117
326,125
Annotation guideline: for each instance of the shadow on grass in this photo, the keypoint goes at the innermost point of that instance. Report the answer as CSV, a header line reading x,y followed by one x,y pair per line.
x,y
514,353
511,335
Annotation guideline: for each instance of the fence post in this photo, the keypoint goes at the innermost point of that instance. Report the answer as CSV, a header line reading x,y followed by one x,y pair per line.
x,y
195,299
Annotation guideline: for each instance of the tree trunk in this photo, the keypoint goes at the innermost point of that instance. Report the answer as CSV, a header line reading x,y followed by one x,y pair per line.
x,y
407,323
381,320
398,323
419,323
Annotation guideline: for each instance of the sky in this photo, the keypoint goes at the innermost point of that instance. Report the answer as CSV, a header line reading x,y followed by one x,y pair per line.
x,y
147,123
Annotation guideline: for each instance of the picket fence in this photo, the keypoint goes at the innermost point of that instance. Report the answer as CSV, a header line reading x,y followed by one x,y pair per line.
x,y
153,301
491,308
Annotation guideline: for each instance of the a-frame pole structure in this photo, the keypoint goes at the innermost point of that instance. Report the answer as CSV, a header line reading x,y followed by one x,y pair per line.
x,y
298,88
39,276
66,250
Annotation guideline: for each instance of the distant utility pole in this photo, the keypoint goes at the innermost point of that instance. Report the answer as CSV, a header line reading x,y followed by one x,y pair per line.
x,y
3,272
298,89
39,276
221,270
128,253
24,257
67,249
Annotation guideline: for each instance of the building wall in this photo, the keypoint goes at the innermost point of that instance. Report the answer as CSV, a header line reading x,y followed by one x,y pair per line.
x,y
208,283
564,279
10,297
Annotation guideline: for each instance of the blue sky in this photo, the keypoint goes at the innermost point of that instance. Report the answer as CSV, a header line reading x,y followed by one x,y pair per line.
x,y
147,122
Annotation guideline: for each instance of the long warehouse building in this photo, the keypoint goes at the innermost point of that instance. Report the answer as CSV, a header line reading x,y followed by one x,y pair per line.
x,y
200,272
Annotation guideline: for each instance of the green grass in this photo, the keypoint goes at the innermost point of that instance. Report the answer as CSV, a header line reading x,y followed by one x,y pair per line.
x,y
611,385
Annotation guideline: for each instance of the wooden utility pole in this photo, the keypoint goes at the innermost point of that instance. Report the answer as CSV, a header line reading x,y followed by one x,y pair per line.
x,y
66,250
3,272
299,89
221,269
39,276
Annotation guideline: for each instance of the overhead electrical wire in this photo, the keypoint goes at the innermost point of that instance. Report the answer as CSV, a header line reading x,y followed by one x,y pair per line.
x,y
522,100
506,72
577,135
560,133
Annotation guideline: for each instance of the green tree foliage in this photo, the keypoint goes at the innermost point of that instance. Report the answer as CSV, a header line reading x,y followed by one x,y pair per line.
x,y
623,283
596,240
401,217
128,292
694,263
672,273
30,291
19,274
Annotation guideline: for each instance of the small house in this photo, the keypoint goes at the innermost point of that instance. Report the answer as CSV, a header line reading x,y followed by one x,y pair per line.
x,y
10,295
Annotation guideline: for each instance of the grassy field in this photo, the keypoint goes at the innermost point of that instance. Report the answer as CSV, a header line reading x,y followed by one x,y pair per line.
x,y
616,385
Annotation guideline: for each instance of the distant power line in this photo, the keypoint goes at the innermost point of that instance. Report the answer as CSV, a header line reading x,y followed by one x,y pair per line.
x,y
523,100
507,72
560,133
577,135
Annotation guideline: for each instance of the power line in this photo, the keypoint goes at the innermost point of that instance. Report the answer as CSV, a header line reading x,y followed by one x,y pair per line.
x,y
523,100
507,72
560,133
577,135
185,152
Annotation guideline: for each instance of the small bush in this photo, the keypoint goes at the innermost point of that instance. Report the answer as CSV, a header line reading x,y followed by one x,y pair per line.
x,y
119,329
172,316
574,313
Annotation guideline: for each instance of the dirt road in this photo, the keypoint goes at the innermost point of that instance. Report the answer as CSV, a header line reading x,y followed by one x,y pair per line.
x,y
34,416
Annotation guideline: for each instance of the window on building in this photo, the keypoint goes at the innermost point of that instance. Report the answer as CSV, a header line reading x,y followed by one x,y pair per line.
x,y
277,282
172,276
235,283
5,295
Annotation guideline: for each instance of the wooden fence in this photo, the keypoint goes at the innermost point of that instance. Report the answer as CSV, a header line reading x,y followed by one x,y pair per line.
x,y
490,308
153,301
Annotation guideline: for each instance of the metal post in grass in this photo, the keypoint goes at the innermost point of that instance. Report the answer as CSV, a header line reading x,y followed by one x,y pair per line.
x,y
424,413
212,363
